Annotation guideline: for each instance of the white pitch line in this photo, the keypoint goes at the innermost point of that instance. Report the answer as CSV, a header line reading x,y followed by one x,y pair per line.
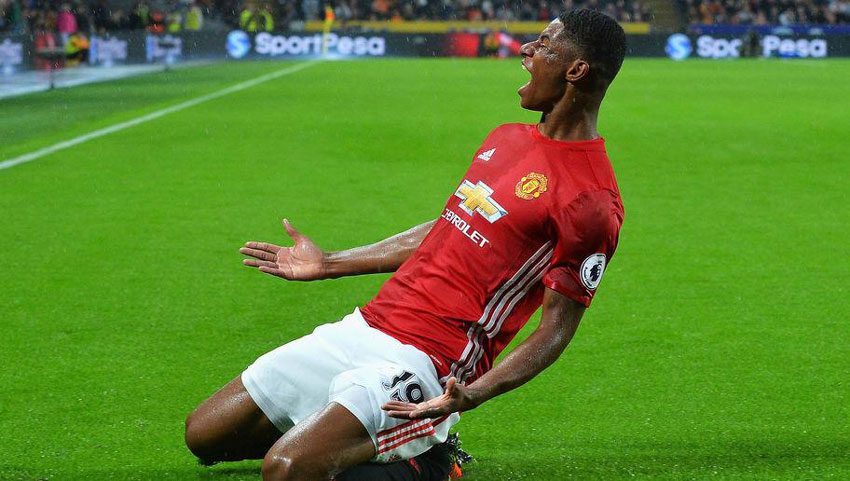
x,y
151,116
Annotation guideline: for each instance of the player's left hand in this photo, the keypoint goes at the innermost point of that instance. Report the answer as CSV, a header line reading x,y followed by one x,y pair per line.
x,y
456,398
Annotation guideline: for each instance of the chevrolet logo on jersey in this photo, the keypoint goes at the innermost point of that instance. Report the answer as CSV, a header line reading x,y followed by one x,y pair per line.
x,y
476,198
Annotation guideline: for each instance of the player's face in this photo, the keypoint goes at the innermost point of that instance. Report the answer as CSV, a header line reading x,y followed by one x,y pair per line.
x,y
547,60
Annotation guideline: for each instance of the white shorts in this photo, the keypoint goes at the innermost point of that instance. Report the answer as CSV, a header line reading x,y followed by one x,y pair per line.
x,y
360,368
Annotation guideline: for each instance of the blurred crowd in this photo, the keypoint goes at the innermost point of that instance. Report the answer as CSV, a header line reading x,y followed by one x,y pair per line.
x,y
509,10
67,16
767,12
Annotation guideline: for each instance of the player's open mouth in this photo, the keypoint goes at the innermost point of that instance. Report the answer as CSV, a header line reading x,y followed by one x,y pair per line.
x,y
526,65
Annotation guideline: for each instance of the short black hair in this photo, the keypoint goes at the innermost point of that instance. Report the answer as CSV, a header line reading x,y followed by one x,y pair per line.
x,y
600,39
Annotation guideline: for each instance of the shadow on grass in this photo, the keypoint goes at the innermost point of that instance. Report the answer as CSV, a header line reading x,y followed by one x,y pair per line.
x,y
745,461
225,472
750,460
246,470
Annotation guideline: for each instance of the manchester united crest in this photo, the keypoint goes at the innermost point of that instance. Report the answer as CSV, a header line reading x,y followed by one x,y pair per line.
x,y
531,186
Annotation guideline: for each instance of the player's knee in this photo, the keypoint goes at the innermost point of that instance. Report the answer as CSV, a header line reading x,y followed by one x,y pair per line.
x,y
282,467
198,439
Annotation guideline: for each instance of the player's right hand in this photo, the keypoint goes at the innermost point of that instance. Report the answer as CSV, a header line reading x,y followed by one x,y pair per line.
x,y
304,261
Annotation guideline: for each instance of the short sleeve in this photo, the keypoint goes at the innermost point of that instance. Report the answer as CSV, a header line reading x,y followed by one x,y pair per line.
x,y
585,235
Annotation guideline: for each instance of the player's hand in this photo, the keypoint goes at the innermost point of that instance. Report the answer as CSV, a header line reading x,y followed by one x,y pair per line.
x,y
304,261
455,399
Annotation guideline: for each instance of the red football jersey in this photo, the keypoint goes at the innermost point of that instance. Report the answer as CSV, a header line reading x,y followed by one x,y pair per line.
x,y
530,212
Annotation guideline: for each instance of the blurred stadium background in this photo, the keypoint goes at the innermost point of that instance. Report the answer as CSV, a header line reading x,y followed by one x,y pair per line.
x,y
50,34
717,347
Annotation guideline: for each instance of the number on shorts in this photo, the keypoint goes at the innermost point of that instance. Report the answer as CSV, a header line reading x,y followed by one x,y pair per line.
x,y
404,388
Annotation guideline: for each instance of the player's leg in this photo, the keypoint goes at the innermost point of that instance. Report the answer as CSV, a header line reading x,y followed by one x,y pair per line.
x,y
229,426
245,418
319,447
281,388
436,464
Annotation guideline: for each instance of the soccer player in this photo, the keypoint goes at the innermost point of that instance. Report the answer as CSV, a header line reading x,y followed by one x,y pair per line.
x,y
534,221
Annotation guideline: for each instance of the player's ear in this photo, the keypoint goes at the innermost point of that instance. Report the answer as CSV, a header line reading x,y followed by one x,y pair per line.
x,y
577,71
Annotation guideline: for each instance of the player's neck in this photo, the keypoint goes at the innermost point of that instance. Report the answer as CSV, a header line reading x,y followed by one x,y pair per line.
x,y
572,119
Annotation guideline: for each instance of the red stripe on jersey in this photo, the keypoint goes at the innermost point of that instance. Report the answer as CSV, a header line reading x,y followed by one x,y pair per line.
x,y
533,267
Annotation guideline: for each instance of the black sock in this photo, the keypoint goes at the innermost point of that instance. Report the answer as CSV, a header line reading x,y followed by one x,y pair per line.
x,y
432,465
399,471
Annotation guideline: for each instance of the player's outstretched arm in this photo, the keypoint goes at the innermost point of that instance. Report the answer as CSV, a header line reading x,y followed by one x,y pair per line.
x,y
305,261
561,317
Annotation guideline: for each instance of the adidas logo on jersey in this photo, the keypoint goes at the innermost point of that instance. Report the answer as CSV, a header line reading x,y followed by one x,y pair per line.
x,y
485,156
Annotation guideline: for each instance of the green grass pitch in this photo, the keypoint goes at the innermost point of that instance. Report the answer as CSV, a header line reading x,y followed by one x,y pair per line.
x,y
718,346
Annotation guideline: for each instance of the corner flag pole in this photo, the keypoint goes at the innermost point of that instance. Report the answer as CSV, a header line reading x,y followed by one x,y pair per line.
x,y
329,21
